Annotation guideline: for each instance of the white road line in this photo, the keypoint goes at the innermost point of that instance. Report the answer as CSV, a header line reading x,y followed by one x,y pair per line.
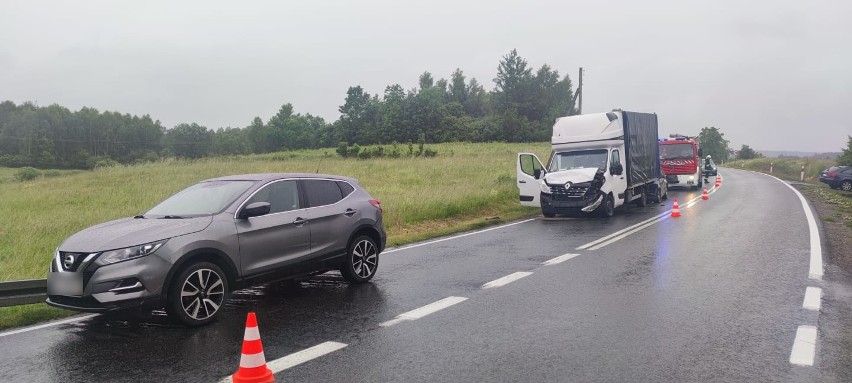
x,y
424,311
621,234
624,235
303,356
813,298
597,241
559,259
300,357
815,271
456,236
506,280
804,347
46,325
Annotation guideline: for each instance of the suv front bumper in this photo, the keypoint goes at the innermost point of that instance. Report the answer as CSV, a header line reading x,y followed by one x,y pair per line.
x,y
134,283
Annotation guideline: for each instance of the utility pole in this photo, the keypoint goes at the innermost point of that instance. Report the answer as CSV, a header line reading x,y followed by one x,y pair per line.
x,y
579,94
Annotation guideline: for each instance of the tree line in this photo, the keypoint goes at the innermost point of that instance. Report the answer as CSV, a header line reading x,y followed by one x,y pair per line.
x,y
521,107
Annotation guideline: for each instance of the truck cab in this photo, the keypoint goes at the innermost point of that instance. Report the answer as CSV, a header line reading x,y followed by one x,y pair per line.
x,y
682,162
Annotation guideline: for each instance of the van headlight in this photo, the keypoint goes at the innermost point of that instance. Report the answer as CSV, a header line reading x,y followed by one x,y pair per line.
x,y
128,253
544,188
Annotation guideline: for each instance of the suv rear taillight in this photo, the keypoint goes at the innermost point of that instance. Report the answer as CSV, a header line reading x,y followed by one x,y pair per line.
x,y
377,204
831,174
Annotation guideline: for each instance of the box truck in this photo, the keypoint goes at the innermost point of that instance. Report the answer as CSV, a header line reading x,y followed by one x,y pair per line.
x,y
598,162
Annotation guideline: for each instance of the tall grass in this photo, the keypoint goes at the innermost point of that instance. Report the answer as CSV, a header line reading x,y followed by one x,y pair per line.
x,y
785,168
458,189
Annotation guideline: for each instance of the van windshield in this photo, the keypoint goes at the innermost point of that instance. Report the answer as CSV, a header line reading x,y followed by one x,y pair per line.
x,y
579,160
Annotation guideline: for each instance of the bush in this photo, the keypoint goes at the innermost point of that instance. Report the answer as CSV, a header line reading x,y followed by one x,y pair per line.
x,y
105,162
27,174
342,149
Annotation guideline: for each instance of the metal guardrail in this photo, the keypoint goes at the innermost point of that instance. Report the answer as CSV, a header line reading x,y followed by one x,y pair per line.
x,y
24,292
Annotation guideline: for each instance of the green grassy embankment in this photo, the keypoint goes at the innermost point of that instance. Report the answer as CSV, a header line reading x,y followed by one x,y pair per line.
x,y
464,187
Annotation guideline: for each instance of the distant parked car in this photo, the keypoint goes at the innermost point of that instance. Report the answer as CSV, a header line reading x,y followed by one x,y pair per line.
x,y
837,177
191,250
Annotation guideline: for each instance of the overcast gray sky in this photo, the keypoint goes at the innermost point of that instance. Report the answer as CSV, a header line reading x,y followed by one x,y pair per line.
x,y
776,75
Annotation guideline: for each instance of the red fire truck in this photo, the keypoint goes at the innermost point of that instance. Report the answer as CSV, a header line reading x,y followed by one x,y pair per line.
x,y
681,158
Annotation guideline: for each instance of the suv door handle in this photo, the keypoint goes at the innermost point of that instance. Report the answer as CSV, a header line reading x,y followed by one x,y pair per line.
x,y
300,221
350,212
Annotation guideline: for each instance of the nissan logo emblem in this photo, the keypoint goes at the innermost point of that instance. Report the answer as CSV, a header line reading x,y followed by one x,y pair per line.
x,y
68,262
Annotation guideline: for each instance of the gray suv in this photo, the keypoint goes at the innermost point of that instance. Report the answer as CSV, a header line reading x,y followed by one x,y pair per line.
x,y
191,250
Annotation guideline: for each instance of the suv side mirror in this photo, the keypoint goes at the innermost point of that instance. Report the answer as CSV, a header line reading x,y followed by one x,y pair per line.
x,y
255,209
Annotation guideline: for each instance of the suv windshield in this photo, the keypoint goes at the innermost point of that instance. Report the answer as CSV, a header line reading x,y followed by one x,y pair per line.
x,y
579,160
204,198
670,151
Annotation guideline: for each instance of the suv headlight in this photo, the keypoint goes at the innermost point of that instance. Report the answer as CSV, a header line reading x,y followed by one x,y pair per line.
x,y
128,253
544,188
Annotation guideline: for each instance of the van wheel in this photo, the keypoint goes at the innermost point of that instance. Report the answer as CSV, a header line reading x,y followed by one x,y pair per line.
x,y
607,208
643,199
361,260
197,294
548,213
657,196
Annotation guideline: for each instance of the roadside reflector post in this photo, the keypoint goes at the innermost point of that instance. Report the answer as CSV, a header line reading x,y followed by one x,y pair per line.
x,y
771,165
802,176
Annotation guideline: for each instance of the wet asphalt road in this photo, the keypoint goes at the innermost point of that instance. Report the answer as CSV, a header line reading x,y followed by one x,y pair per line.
x,y
715,295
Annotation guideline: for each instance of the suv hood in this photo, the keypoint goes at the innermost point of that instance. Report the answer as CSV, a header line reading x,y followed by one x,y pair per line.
x,y
128,232
575,176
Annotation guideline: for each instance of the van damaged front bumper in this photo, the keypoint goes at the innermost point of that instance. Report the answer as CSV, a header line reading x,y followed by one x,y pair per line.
x,y
565,205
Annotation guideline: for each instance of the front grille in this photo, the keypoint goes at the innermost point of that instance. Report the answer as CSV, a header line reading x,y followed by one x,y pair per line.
x,y
71,261
561,193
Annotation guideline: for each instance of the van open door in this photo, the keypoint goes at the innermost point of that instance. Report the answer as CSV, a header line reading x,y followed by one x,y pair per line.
x,y
528,185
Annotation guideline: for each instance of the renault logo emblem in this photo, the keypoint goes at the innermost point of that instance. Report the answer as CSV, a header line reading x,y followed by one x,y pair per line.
x,y
68,262
567,185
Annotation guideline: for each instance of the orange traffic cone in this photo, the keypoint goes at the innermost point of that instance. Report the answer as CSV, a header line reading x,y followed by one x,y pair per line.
x,y
718,181
705,196
252,362
675,209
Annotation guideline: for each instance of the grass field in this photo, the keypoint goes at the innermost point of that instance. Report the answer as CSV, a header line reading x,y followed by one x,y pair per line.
x,y
422,197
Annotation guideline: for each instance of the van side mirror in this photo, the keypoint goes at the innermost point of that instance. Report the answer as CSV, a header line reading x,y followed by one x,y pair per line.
x,y
255,209
616,169
537,173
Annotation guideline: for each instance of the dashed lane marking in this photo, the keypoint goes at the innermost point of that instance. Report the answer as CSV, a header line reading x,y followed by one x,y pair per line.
x,y
559,259
300,357
804,346
813,297
506,280
424,310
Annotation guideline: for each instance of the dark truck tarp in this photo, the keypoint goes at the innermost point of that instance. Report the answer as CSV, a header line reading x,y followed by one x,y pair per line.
x,y
643,150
